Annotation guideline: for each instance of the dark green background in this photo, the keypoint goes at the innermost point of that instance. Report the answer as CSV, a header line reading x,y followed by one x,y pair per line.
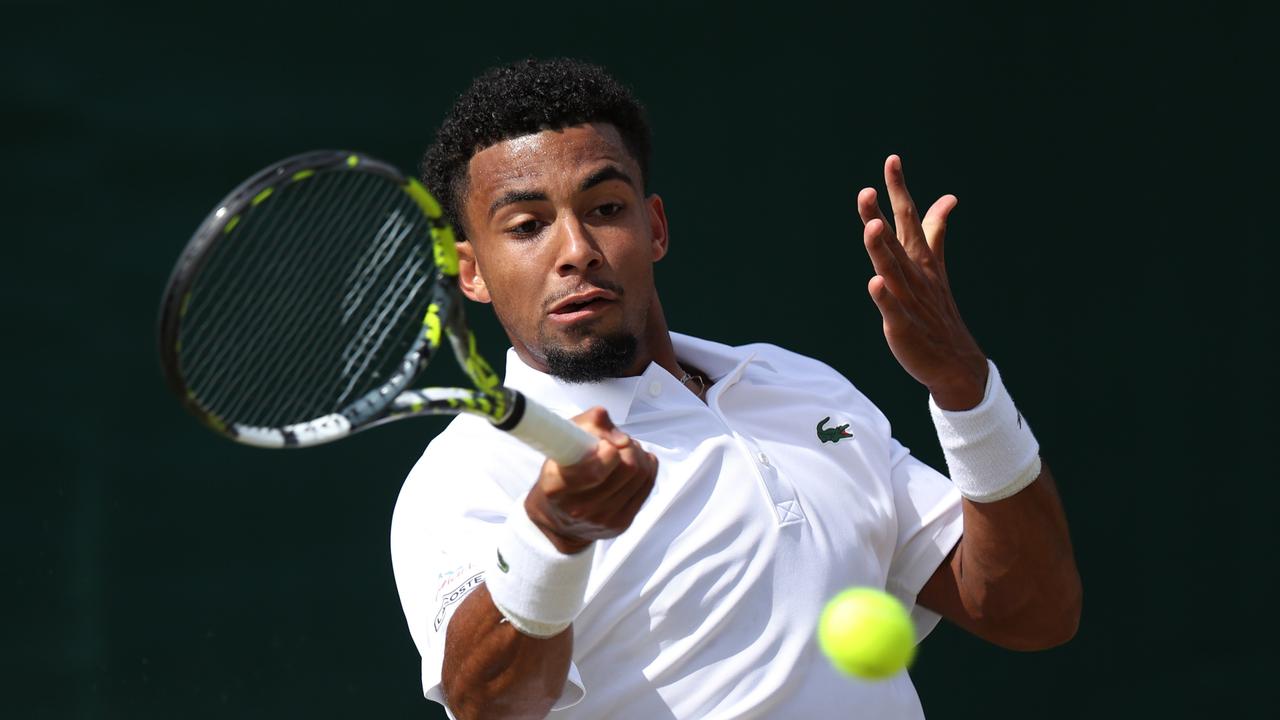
x,y
1115,174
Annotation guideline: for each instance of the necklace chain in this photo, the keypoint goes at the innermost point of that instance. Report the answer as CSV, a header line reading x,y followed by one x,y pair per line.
x,y
702,385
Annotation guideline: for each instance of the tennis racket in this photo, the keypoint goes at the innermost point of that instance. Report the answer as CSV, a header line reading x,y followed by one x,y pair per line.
x,y
311,298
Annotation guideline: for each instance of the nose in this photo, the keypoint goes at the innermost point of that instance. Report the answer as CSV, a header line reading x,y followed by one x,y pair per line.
x,y
578,251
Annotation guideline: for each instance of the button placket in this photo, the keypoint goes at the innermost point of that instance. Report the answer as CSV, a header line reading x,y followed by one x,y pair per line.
x,y
786,505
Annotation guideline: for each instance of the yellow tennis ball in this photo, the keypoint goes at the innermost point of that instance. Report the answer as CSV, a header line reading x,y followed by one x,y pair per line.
x,y
867,633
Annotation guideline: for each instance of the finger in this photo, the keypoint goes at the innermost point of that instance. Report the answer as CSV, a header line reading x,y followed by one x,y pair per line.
x,y
890,307
596,421
869,210
869,207
602,512
590,473
634,464
626,513
887,257
935,224
905,216
614,508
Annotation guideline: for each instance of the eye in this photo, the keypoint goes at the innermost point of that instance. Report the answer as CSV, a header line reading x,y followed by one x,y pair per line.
x,y
609,209
527,228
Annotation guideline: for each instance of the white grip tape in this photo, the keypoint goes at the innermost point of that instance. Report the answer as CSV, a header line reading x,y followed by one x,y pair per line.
x,y
535,586
990,450
552,435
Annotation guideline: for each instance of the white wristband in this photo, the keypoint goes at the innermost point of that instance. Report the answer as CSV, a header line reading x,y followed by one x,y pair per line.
x,y
535,586
990,450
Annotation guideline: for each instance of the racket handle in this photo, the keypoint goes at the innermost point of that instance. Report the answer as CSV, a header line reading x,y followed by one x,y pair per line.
x,y
547,432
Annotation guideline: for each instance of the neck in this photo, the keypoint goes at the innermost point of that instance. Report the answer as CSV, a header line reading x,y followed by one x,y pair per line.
x,y
663,353
656,346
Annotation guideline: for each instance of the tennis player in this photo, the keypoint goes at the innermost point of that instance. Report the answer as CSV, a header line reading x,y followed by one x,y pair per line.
x,y
679,569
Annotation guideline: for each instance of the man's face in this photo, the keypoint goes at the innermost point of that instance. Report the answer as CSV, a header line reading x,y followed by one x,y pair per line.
x,y
562,241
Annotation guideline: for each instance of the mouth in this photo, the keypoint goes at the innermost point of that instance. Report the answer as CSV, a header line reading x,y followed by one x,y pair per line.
x,y
582,306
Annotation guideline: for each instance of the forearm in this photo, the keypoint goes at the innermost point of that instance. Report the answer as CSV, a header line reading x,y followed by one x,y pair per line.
x,y
491,668
1013,579
1015,569
493,671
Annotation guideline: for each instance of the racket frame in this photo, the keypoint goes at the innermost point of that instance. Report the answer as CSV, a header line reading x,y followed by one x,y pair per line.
x,y
444,317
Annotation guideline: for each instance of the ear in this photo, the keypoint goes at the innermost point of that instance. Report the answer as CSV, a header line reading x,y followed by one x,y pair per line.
x,y
657,226
470,281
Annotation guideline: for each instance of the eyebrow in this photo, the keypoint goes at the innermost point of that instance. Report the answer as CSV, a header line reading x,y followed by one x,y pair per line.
x,y
516,196
604,174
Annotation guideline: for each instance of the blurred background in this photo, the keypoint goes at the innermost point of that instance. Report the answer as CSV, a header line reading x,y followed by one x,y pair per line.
x,y
1114,164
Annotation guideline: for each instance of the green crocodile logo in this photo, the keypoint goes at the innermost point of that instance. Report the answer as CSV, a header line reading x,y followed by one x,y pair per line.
x,y
832,435
502,563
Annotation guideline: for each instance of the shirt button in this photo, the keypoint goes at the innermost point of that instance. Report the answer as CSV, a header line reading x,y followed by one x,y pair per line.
x,y
764,459
655,388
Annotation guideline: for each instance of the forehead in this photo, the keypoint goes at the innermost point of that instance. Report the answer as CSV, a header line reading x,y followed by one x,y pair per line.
x,y
546,158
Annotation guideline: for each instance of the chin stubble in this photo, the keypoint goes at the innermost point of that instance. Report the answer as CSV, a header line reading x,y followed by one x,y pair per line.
x,y
600,358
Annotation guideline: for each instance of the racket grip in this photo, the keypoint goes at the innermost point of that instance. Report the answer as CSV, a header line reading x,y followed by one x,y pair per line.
x,y
547,432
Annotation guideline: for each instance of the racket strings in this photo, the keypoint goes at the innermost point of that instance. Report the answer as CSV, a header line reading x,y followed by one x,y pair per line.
x,y
260,285
312,301
295,402
223,284
392,234
316,363
388,240
364,348
255,281
403,332
314,277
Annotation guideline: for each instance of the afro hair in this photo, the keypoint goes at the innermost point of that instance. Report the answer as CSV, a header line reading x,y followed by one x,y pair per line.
x,y
523,98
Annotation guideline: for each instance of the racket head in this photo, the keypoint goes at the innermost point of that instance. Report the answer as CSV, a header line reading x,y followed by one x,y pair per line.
x,y
308,299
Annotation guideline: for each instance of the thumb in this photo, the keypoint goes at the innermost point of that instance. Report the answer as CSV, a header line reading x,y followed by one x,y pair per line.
x,y
935,224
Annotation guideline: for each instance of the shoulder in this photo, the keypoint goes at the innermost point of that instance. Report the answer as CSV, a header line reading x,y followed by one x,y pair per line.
x,y
783,359
470,447
802,370
462,440
787,380
469,466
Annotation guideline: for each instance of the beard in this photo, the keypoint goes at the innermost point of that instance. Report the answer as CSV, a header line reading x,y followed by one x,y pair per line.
x,y
604,356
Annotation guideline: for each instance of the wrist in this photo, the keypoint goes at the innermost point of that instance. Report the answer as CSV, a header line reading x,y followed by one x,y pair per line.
x,y
536,586
540,518
990,450
563,543
963,390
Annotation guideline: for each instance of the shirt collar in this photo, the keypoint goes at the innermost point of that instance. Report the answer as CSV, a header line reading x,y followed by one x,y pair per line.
x,y
616,395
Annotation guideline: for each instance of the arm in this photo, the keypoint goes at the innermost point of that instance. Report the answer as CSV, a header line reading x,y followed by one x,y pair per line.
x,y
1012,578
491,670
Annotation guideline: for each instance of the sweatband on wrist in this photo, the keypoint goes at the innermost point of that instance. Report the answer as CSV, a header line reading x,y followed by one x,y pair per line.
x,y
990,450
535,586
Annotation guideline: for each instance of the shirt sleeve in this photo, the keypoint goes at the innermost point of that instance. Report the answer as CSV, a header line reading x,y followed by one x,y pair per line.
x,y
930,523
442,531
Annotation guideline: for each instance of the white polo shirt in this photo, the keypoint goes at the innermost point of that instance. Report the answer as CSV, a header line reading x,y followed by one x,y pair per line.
x,y
706,606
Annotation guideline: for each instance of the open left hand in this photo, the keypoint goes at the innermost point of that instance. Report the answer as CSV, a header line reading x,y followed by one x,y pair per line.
x,y
911,290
